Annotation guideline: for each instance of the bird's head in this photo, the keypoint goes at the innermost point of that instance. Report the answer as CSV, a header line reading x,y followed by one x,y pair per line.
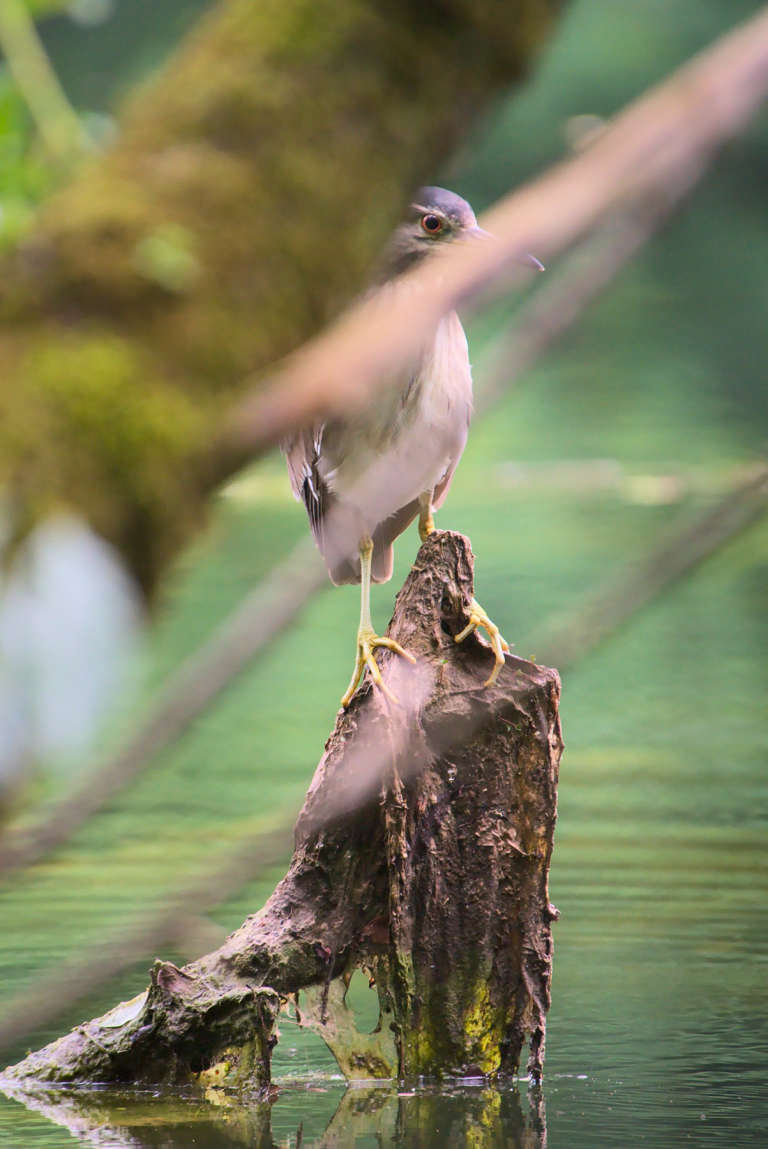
x,y
436,217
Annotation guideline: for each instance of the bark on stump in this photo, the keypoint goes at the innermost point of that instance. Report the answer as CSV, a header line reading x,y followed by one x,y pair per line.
x,y
422,856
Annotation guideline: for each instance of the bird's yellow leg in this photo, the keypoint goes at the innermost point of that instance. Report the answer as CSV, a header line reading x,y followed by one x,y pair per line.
x,y
426,521
478,618
367,638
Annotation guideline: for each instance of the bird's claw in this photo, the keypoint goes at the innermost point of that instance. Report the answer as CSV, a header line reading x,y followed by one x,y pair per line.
x,y
367,642
499,645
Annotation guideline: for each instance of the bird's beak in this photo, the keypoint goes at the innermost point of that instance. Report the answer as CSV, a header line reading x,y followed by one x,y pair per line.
x,y
479,233
530,261
525,258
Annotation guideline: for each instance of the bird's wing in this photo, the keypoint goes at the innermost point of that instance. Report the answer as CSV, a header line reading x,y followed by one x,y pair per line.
x,y
302,454
441,489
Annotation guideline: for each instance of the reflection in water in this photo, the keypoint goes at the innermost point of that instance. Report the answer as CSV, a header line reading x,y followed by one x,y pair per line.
x,y
464,1114
134,1120
482,1117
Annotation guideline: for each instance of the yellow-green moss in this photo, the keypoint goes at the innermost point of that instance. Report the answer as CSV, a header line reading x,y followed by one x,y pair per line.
x,y
454,1024
482,1031
166,256
95,387
239,1067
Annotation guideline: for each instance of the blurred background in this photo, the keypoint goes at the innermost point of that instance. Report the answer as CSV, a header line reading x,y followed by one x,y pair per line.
x,y
643,417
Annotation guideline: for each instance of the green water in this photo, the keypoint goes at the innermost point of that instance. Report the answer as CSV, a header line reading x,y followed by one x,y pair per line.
x,y
657,1031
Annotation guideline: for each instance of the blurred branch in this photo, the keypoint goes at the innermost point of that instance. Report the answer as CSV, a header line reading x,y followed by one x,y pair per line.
x,y
59,125
52,994
653,152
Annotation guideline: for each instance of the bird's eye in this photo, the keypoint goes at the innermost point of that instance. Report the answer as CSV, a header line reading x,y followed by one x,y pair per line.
x,y
431,224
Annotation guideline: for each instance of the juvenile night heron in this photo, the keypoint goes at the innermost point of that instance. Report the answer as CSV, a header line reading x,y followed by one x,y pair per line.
x,y
364,479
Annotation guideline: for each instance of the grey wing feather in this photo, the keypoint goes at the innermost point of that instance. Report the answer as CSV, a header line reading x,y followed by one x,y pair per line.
x,y
302,454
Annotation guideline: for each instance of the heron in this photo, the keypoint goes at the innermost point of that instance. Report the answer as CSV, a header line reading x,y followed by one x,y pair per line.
x,y
365,478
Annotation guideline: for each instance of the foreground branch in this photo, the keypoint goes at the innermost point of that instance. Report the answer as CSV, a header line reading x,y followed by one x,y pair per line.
x,y
643,161
422,854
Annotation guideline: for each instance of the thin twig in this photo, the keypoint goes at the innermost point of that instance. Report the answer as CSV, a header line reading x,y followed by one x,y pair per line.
x,y
58,123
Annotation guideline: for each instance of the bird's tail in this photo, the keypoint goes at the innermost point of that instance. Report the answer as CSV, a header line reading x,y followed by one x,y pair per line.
x,y
382,563
348,570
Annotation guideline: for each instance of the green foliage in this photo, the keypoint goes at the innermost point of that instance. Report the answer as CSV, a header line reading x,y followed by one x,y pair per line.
x,y
106,46
25,175
40,8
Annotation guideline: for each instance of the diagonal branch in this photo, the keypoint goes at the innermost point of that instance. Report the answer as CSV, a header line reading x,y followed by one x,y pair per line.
x,y
683,547
653,151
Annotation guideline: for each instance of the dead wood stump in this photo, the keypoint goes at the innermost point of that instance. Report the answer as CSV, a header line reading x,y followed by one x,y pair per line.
x,y
422,855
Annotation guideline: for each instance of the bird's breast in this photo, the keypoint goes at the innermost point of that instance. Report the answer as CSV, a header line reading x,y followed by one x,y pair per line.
x,y
409,438
444,380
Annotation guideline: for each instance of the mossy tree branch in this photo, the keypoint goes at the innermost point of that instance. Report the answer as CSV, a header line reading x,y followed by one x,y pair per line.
x,y
254,183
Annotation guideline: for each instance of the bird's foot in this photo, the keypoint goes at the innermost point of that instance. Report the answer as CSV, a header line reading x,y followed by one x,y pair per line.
x,y
426,525
477,618
367,642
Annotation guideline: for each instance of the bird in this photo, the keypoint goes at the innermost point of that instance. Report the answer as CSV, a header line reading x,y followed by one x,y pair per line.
x,y
365,478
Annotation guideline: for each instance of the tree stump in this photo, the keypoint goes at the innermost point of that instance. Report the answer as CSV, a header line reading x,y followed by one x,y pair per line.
x,y
421,856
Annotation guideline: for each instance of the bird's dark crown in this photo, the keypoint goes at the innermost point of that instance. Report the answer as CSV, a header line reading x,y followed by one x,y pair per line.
x,y
436,216
445,203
